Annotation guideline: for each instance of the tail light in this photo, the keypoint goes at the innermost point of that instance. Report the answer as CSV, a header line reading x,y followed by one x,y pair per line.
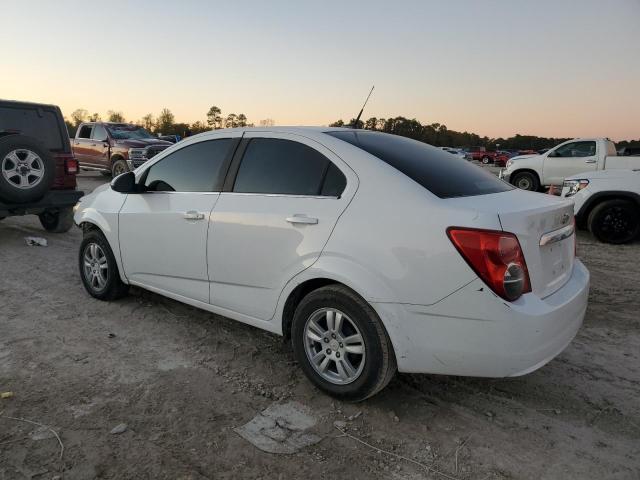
x,y
496,257
70,163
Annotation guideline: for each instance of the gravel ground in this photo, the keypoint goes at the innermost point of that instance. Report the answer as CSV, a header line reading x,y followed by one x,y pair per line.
x,y
181,379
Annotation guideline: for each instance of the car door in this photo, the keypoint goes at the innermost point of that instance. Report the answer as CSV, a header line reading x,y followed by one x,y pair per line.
x,y
98,148
569,159
163,230
284,200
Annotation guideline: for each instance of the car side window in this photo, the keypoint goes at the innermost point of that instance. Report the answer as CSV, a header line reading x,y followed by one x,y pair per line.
x,y
285,167
85,131
99,133
199,167
576,149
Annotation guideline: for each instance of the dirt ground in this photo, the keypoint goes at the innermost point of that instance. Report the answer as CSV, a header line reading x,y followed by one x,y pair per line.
x,y
181,379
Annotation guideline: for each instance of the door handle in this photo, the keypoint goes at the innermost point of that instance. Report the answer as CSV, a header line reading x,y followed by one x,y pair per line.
x,y
589,161
301,218
193,215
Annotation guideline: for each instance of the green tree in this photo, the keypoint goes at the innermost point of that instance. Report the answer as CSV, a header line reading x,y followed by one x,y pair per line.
x,y
147,122
214,117
95,117
231,121
241,120
267,122
339,123
78,116
113,116
165,122
199,127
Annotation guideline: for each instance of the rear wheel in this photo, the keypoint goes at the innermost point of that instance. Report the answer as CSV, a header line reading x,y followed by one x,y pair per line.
x,y
119,167
57,221
341,344
98,268
486,160
615,221
526,181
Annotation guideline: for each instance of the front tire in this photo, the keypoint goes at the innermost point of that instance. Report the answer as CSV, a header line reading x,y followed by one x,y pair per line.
x,y
59,221
526,181
615,221
341,344
98,268
485,160
118,168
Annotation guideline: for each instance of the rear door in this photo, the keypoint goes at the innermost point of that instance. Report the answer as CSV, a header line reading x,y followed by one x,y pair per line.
x,y
98,148
82,145
569,159
163,231
285,196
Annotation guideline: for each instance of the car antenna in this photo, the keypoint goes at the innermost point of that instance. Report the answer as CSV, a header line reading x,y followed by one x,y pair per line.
x,y
355,124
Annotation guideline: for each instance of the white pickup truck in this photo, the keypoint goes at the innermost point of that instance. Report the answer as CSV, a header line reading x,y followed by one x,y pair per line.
x,y
533,172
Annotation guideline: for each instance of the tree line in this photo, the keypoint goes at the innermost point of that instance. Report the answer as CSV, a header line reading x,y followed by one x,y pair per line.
x,y
440,136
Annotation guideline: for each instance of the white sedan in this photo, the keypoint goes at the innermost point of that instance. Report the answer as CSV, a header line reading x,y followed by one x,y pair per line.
x,y
371,252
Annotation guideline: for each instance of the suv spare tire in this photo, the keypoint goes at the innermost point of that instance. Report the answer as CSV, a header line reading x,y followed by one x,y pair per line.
x,y
27,169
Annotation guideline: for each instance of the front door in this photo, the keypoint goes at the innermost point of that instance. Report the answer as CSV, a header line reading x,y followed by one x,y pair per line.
x,y
286,199
569,159
163,230
98,149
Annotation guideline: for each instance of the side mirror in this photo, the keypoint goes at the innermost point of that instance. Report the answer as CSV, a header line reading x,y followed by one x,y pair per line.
x,y
124,183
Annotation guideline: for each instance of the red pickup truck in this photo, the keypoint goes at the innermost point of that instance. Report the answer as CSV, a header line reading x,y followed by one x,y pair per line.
x,y
114,148
481,154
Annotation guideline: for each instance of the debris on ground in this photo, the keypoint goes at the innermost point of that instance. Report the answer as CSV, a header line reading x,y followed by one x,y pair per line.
x,y
36,241
118,429
41,433
6,394
281,428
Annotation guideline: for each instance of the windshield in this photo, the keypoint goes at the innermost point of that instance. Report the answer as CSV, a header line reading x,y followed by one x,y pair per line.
x,y
126,132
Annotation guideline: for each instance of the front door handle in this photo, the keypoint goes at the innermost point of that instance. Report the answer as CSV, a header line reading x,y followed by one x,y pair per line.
x,y
589,161
301,218
193,215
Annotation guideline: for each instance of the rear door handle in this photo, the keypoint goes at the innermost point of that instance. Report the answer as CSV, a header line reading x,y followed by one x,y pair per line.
x,y
301,218
589,161
193,215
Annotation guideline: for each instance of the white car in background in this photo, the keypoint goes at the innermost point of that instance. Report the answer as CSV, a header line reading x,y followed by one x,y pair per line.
x,y
607,203
371,252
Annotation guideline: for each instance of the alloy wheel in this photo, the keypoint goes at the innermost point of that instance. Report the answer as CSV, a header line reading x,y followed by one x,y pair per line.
x,y
22,168
334,346
96,267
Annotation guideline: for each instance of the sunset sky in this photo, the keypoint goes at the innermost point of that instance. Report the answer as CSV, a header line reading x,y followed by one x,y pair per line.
x,y
497,68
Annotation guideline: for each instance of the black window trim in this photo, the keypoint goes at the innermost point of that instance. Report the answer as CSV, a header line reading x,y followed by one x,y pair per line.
x,y
216,189
232,173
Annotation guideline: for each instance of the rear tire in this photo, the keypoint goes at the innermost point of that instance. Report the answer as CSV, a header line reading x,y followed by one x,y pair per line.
x,y
98,268
27,169
59,221
118,168
526,181
340,370
615,221
486,160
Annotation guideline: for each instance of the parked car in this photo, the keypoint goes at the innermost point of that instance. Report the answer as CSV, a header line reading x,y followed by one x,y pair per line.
x,y
629,151
607,203
481,154
569,158
454,151
37,168
503,156
114,148
340,239
170,138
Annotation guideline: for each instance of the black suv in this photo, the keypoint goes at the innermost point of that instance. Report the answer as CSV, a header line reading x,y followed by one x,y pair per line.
x,y
37,167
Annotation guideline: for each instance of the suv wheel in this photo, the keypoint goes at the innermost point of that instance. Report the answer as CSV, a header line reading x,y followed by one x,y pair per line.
x,y
119,167
341,344
57,221
98,268
615,221
27,169
526,181
486,160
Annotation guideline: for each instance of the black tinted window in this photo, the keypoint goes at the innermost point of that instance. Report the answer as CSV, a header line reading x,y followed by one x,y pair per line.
x,y
195,168
334,182
576,149
441,173
85,131
38,123
271,165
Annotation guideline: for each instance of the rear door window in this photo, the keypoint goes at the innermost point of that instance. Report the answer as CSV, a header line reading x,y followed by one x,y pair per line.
x,y
441,173
285,167
99,133
85,131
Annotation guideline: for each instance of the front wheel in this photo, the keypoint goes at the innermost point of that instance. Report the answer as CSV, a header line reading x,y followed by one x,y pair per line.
x,y
119,167
341,344
615,221
98,268
486,160
57,221
526,181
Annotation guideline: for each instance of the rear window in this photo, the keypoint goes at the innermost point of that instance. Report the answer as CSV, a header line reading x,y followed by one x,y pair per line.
x,y
441,173
40,123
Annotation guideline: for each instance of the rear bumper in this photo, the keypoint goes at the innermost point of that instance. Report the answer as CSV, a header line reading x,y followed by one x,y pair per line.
x,y
53,199
474,333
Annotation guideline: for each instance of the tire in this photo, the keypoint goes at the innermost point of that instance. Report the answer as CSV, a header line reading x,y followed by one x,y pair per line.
x,y
27,169
119,167
100,282
526,181
486,160
360,375
58,221
615,221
